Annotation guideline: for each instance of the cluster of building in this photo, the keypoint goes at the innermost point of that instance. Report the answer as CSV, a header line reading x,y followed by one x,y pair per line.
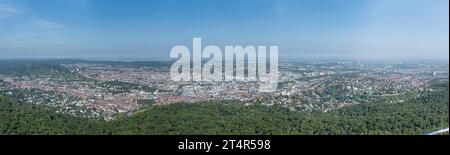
x,y
320,86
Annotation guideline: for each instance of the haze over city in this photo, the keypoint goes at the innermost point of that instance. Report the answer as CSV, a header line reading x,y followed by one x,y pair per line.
x,y
149,29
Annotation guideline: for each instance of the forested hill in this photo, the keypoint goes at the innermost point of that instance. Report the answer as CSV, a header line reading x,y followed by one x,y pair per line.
x,y
416,116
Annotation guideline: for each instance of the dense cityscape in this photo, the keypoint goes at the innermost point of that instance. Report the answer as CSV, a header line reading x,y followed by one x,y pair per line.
x,y
253,76
105,89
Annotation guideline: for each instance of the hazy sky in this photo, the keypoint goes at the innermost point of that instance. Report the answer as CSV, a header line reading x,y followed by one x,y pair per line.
x,y
150,28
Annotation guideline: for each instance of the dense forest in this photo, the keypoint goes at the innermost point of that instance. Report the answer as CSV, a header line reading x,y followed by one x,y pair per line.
x,y
416,116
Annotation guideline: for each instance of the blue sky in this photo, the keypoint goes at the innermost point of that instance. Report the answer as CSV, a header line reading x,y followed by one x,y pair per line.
x,y
150,28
